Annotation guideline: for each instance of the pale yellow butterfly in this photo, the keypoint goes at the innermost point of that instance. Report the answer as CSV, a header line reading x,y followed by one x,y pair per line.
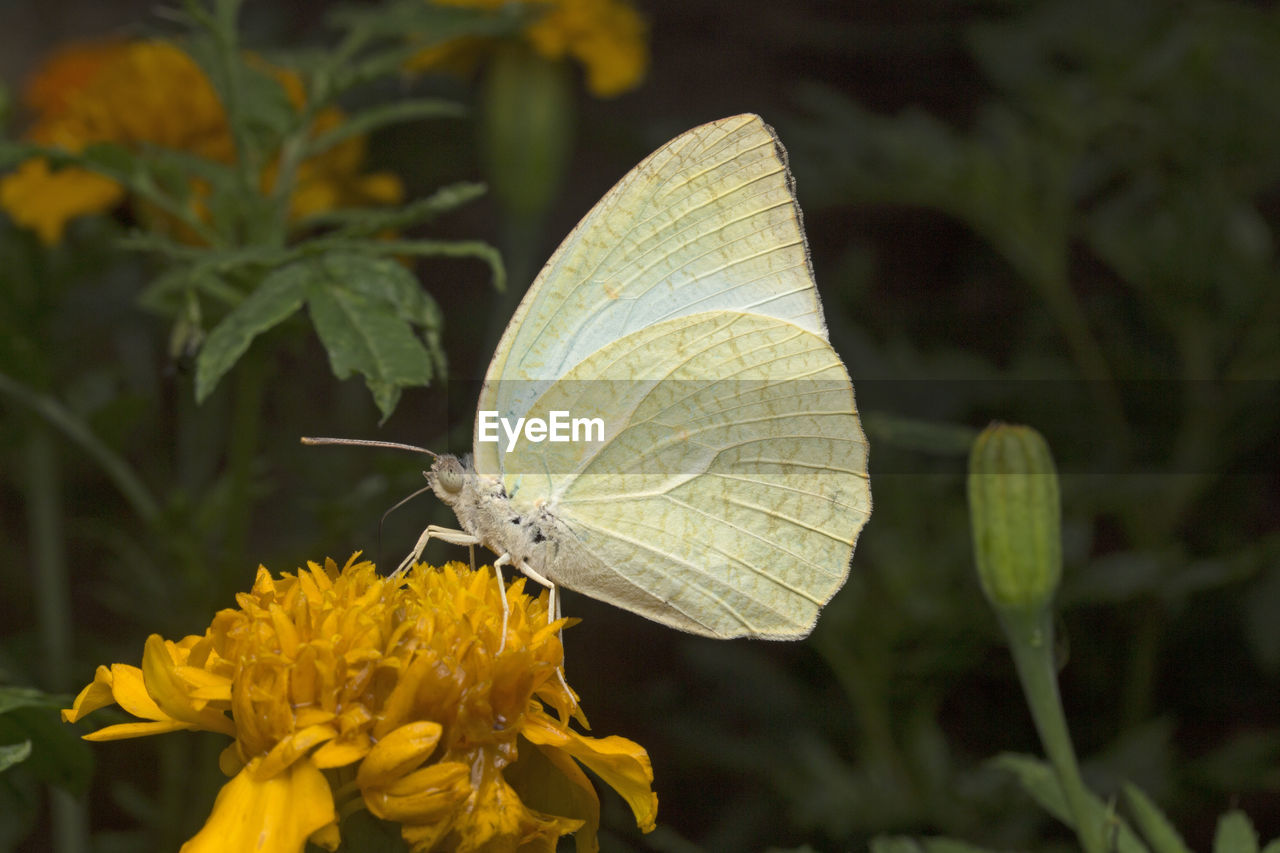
x,y
727,484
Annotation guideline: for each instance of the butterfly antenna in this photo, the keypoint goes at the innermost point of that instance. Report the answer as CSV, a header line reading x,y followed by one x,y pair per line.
x,y
312,441
316,441
395,507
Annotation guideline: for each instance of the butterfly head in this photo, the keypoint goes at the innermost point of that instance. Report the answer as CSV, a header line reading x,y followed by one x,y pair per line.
x,y
448,477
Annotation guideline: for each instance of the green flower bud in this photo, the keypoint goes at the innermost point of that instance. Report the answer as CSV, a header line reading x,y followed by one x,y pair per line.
x,y
1016,517
526,132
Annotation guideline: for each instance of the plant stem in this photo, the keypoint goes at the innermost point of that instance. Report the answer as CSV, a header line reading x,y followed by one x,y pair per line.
x,y
246,419
1089,359
53,606
1031,642
129,484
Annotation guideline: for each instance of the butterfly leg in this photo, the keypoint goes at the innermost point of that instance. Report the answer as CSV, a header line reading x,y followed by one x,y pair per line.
x,y
504,560
444,534
553,613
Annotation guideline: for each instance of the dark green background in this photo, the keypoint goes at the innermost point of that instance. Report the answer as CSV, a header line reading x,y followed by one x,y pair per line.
x,y
1001,200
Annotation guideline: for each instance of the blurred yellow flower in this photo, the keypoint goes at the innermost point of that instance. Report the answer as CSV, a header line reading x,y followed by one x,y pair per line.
x,y
608,37
144,93
345,689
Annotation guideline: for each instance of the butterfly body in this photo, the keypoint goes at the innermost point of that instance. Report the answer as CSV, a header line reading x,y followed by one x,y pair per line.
x,y
533,538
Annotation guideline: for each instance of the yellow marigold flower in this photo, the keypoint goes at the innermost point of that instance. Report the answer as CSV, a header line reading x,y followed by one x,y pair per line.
x,y
152,93
345,689
608,37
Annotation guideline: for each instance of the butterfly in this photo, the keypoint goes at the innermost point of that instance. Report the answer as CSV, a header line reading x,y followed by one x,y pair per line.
x,y
719,483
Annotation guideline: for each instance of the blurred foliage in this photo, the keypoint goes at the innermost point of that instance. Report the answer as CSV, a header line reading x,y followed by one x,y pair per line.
x,y
1083,242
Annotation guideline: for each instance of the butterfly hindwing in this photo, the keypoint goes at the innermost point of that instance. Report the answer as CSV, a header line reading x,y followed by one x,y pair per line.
x,y
730,483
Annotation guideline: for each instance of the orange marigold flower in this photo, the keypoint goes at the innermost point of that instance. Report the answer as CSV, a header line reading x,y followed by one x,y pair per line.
x,y
608,37
152,93
345,689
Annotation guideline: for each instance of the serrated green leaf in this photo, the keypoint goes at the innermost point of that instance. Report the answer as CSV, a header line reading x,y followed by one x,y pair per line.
x,y
894,844
381,279
363,222
1273,846
1235,834
268,112
258,108
374,118
14,753
1040,781
420,248
363,330
1155,827
275,300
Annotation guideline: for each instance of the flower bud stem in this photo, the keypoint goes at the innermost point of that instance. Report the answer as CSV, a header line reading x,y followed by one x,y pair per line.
x,y
1030,634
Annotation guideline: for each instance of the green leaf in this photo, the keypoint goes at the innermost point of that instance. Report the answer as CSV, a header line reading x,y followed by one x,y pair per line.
x,y
363,222
268,113
383,279
904,844
14,753
429,23
13,153
12,698
1235,834
276,299
374,118
258,108
1040,781
1155,827
942,439
56,755
421,248
360,309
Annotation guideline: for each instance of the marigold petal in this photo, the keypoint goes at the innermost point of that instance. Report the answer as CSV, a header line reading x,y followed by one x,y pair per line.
x,y
128,730
340,753
495,818
548,780
623,764
273,815
292,748
172,694
206,686
229,760
398,753
96,694
327,837
424,796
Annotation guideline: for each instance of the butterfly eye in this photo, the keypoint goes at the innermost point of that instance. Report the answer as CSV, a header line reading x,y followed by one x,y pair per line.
x,y
450,479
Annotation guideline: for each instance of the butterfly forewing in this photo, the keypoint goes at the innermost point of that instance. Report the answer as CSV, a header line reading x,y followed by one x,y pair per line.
x,y
708,222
